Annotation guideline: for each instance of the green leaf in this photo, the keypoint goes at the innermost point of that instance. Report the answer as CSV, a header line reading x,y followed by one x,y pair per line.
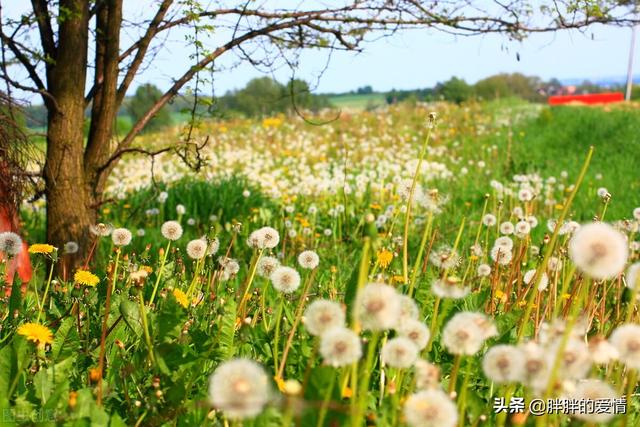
x,y
131,315
226,334
66,338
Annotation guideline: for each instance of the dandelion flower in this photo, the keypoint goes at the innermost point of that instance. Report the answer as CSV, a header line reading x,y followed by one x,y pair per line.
x,y
602,351
484,270
71,247
430,408
535,366
285,279
416,331
384,258
10,243
450,287
378,307
180,209
626,339
322,315
41,248
308,260
171,230
214,246
445,258
503,242
489,220
522,228
181,297
399,352
501,256
101,229
239,388
460,336
270,237
599,250
86,278
408,308
503,364
593,391
427,375
507,228
121,237
340,347
197,249
37,333
267,265
575,362
636,213
529,276
632,278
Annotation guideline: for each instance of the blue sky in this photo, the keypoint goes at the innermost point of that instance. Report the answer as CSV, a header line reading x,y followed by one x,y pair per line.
x,y
410,59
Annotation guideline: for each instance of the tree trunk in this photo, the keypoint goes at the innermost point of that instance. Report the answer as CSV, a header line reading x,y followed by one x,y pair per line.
x,y
70,208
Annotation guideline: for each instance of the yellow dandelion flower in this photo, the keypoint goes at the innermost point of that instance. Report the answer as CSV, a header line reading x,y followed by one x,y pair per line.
x,y
280,383
181,297
398,278
559,207
384,257
86,278
41,248
37,333
347,393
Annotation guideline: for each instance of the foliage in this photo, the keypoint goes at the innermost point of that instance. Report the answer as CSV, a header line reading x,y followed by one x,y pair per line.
x,y
145,97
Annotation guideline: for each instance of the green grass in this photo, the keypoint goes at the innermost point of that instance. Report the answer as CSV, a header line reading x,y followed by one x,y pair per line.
x,y
358,102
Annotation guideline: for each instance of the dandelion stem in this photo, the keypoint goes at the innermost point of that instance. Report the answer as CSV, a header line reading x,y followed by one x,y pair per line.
x,y
276,336
407,219
416,265
325,401
159,276
363,387
46,292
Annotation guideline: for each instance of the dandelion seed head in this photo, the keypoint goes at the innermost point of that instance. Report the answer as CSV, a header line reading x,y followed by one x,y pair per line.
x,y
267,265
430,408
171,230
239,388
599,250
322,315
626,339
101,229
285,279
593,390
340,347
415,331
10,243
399,352
121,237
503,364
427,375
197,249
484,270
378,307
308,260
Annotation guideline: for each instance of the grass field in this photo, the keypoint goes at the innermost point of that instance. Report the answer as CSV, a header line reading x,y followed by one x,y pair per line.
x,y
394,267
358,102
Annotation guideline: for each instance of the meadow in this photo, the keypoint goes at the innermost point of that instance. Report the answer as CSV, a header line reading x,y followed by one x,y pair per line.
x,y
413,265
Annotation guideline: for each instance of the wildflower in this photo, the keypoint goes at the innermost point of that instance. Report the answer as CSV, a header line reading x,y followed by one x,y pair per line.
x,y
603,193
461,336
416,331
489,220
10,243
575,362
602,352
214,246
140,232
378,307
86,278
41,248
593,391
121,237
504,242
163,196
529,277
532,220
535,366
308,260
445,258
37,333
230,266
484,270
71,247
507,228
399,352
239,388
525,195
427,375
197,249
430,408
408,309
101,229
599,250
522,228
632,279
181,297
180,209
503,364
285,279
449,288
384,258
626,339
636,213
171,230
501,256
340,347
270,237
322,315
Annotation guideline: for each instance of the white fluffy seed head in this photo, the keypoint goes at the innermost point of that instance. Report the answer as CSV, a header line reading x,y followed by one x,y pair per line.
x,y
197,249
239,388
466,331
484,270
399,352
121,237
267,265
530,275
575,362
430,408
171,230
599,250
285,279
308,260
489,220
415,331
506,228
378,307
408,308
594,390
504,243
340,347
322,315
501,256
503,364
10,243
270,237
214,246
427,375
626,339
632,277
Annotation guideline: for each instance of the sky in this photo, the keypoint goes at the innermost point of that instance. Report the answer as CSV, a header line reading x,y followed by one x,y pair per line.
x,y
416,58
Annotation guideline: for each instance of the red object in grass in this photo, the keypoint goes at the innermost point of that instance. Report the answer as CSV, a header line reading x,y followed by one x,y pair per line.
x,y
592,98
